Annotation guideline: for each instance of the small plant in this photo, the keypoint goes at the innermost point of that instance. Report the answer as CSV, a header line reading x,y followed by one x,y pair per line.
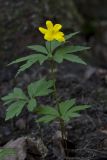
x,y
56,50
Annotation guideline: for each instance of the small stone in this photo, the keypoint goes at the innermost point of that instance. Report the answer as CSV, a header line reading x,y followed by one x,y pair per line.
x,y
25,146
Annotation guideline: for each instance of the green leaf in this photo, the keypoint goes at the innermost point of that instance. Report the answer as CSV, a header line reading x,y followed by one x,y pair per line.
x,y
15,109
68,109
46,119
71,35
73,58
29,61
40,88
55,44
64,53
47,110
32,104
8,97
16,100
37,58
48,47
66,105
25,66
73,112
69,116
15,95
5,152
8,102
19,60
79,108
42,59
19,94
58,57
38,48
71,49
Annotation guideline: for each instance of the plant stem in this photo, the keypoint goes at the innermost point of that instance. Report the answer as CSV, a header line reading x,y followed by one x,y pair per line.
x,y
54,84
53,76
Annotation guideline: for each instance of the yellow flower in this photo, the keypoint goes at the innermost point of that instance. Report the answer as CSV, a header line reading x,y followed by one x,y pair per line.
x,y
52,32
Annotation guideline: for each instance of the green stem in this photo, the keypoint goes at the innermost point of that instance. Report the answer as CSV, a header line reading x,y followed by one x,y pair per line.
x,y
53,76
54,84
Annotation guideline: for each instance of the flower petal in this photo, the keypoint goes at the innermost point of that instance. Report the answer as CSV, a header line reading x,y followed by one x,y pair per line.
x,y
59,36
49,25
57,27
60,39
43,30
49,37
60,33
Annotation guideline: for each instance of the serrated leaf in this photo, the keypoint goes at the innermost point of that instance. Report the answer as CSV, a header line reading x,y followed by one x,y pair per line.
x,y
29,61
58,57
38,48
66,105
15,95
46,119
36,58
40,88
15,109
25,66
19,60
55,44
47,110
42,59
79,108
8,102
5,152
71,35
73,112
32,104
64,53
73,58
70,49
8,97
69,116
19,94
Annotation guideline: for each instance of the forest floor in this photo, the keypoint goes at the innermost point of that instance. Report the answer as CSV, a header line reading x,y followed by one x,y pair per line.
x,y
87,134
